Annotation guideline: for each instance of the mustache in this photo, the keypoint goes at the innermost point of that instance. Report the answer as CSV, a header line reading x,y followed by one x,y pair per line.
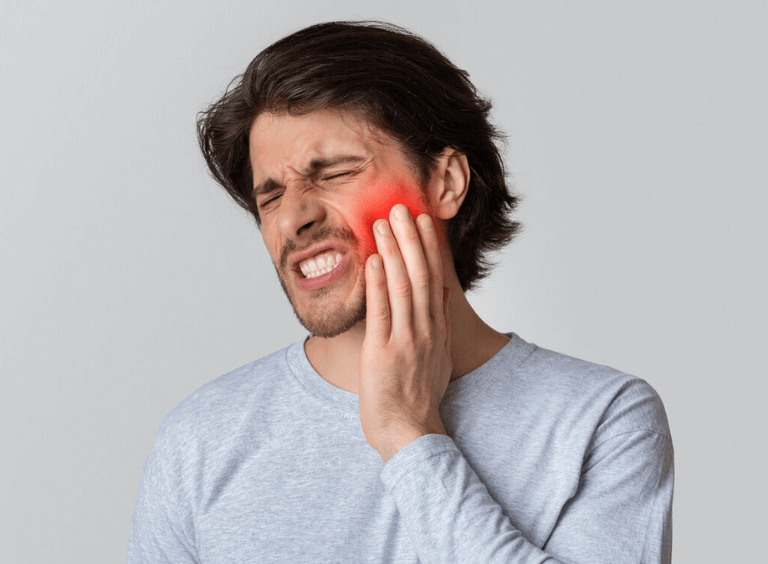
x,y
328,232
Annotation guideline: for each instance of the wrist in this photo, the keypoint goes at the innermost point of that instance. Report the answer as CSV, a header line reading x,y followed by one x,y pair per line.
x,y
397,440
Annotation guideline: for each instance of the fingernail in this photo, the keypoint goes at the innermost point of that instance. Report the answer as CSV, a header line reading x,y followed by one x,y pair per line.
x,y
426,223
382,227
376,262
402,213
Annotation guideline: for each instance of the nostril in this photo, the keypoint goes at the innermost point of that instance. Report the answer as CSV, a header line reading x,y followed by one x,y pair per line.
x,y
304,227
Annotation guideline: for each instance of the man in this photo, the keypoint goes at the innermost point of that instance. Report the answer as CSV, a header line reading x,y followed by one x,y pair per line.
x,y
403,429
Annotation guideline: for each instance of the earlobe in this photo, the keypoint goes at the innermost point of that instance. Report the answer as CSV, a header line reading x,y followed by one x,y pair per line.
x,y
450,183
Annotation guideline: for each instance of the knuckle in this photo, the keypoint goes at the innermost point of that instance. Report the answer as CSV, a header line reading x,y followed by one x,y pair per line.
x,y
377,282
402,289
380,312
420,278
435,337
411,236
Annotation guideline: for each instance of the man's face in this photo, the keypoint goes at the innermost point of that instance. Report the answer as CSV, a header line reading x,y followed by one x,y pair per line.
x,y
321,181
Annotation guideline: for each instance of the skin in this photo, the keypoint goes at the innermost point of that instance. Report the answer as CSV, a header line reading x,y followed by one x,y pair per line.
x,y
395,334
377,202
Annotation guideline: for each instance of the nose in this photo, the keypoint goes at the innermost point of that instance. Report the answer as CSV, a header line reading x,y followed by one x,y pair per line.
x,y
300,212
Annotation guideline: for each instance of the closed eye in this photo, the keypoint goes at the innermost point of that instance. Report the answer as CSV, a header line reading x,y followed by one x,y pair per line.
x,y
269,200
336,175
278,194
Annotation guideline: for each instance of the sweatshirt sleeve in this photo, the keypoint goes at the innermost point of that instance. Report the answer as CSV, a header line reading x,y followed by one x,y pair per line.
x,y
161,530
620,513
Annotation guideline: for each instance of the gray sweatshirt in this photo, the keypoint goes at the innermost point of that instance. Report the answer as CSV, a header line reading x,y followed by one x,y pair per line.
x,y
548,459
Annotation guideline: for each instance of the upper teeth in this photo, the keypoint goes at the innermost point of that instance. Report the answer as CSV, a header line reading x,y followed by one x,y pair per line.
x,y
320,264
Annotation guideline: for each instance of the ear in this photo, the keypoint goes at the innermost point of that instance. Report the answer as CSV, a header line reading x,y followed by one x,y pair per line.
x,y
449,182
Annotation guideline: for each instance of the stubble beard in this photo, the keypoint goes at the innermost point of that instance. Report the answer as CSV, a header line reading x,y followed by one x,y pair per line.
x,y
326,317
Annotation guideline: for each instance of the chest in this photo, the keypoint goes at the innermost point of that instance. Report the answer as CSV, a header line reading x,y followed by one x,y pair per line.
x,y
315,494
301,505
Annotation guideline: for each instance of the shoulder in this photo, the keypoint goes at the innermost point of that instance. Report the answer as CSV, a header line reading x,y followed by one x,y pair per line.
x,y
209,414
578,391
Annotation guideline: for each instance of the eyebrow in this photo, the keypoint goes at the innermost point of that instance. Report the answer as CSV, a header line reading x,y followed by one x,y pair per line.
x,y
315,167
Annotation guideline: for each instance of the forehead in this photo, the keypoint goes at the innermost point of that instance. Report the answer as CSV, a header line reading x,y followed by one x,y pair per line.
x,y
281,143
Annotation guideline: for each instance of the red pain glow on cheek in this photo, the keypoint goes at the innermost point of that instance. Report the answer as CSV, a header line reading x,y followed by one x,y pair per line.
x,y
376,203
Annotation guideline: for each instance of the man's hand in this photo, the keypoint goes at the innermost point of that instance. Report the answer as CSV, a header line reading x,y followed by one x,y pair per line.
x,y
405,364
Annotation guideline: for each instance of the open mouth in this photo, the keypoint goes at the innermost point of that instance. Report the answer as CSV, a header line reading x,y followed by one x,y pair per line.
x,y
320,264
321,270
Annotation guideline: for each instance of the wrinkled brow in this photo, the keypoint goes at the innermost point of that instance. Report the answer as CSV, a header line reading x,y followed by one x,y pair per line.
x,y
315,167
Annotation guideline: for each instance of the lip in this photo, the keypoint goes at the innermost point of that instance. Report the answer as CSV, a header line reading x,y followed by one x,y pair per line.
x,y
297,258
309,284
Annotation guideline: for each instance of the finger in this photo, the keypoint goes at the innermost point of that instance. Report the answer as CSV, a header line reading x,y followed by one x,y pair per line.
x,y
398,283
409,244
431,246
377,316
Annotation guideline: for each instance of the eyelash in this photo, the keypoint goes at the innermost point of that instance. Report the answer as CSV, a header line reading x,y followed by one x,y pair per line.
x,y
273,198
336,175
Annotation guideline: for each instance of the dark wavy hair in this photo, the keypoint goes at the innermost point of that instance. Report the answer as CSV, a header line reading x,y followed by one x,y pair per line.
x,y
402,85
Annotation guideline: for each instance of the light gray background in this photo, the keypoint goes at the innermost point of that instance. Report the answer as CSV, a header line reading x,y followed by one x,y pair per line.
x,y
637,135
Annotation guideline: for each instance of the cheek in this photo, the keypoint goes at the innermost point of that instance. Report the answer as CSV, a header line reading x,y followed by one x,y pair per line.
x,y
376,203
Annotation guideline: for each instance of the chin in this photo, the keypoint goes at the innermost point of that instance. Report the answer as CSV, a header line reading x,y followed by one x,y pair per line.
x,y
331,324
328,320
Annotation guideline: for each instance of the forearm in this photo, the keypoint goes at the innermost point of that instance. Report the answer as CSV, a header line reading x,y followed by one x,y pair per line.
x,y
619,514
448,512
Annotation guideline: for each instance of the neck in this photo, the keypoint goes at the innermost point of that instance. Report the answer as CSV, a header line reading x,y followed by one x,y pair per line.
x,y
473,343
